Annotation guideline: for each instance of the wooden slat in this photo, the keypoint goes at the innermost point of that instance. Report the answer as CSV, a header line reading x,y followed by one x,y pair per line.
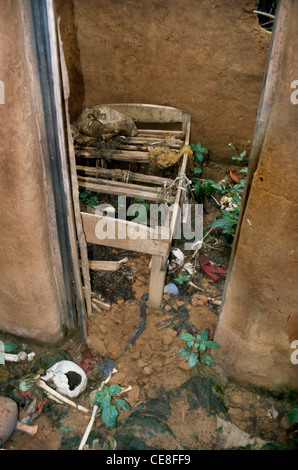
x,y
124,190
123,234
160,133
120,184
138,177
120,155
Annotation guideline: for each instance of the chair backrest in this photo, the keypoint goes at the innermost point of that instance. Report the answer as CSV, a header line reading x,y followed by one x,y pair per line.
x,y
152,113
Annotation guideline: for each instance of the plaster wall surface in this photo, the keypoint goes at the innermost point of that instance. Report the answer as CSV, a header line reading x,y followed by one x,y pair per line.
x,y
207,57
29,303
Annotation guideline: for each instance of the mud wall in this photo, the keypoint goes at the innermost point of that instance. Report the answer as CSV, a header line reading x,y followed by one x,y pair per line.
x,y
258,325
29,300
206,56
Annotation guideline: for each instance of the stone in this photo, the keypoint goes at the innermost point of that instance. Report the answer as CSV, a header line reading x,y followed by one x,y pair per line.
x,y
147,370
8,418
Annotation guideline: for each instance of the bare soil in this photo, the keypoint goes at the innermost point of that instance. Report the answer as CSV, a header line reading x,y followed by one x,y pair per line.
x,y
172,407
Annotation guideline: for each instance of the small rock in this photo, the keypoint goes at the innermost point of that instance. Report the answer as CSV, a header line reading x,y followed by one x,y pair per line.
x,y
141,363
118,378
96,345
167,339
133,395
204,299
183,366
147,370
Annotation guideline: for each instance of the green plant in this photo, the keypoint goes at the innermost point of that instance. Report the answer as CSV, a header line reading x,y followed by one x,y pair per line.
x,y
108,406
181,278
198,156
203,186
88,198
196,347
228,222
238,159
292,415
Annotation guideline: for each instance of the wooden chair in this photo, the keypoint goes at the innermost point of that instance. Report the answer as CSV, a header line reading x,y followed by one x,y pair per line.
x,y
150,121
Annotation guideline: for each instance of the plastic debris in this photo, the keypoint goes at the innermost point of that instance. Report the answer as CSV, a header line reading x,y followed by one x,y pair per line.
x,y
171,289
215,272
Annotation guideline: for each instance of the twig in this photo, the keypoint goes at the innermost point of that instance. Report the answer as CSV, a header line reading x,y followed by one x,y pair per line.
x,y
214,199
263,13
199,288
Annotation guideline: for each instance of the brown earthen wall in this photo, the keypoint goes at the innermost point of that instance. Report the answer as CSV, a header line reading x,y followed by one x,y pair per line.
x,y
207,57
259,319
29,300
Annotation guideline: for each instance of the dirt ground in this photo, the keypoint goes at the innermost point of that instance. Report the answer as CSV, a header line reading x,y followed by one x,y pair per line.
x,y
172,407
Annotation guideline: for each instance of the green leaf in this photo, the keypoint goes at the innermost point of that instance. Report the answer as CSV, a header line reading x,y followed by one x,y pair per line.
x,y
91,203
207,359
197,170
204,335
121,404
186,336
216,186
109,416
184,353
85,194
203,347
292,415
211,344
115,389
197,188
193,359
189,344
10,347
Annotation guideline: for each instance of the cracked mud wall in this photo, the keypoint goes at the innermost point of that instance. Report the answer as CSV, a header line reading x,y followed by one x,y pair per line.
x,y
207,57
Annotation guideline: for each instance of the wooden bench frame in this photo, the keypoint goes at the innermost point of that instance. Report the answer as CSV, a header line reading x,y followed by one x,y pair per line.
x,y
155,243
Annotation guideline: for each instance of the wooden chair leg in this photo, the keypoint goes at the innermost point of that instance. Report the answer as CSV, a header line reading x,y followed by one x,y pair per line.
x,y
157,282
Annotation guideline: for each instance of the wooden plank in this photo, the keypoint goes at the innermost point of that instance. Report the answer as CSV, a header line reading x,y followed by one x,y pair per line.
x,y
157,281
120,155
141,112
122,190
121,184
160,133
137,177
83,303
123,234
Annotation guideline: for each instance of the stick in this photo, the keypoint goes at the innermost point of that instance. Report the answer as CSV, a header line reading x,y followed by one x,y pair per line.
x,y
108,266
